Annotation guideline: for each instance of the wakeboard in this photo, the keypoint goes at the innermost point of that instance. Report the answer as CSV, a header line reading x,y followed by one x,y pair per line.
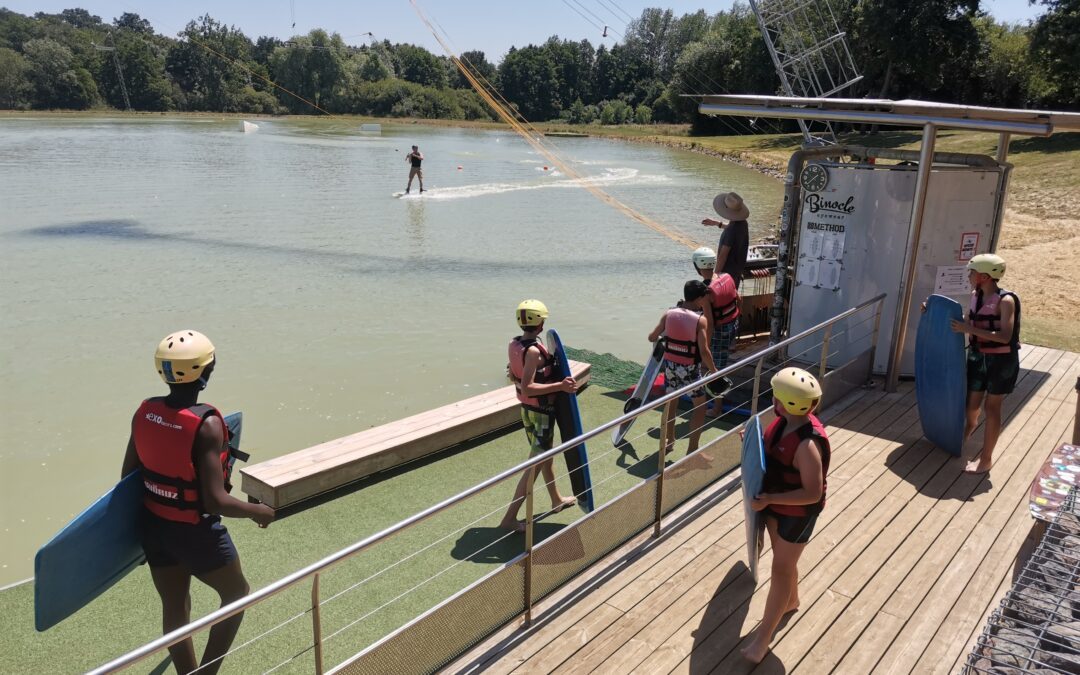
x,y
568,419
753,477
941,374
641,390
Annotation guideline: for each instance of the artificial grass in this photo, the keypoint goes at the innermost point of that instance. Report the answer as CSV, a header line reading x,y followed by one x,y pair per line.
x,y
128,615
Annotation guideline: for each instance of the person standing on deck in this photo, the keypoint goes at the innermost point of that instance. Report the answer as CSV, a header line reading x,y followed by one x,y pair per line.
x,y
797,455
723,320
414,159
181,448
686,349
993,360
531,369
734,243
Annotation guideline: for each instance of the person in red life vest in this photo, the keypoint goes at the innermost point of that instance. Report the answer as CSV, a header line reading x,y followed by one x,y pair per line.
x,y
686,350
723,320
793,493
181,448
993,360
531,370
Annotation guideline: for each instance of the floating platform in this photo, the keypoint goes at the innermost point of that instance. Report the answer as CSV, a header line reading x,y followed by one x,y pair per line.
x,y
566,134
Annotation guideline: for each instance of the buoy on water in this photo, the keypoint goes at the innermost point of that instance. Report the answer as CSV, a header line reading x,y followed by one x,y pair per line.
x,y
459,167
545,168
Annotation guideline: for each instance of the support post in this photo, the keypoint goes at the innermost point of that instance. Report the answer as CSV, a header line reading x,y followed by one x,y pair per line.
x,y
824,353
874,340
529,543
661,462
1003,146
316,625
757,386
922,183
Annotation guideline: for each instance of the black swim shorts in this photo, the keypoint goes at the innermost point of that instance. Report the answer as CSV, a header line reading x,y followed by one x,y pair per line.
x,y
793,529
201,548
993,373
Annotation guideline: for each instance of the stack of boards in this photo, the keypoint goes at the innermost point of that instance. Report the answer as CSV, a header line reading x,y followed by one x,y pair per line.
x,y
96,549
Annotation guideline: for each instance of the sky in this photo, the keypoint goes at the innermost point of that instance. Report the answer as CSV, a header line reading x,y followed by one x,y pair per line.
x,y
488,25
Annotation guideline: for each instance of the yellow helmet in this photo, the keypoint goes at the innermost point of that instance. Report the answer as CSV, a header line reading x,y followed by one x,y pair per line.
x,y
182,356
988,263
531,313
797,390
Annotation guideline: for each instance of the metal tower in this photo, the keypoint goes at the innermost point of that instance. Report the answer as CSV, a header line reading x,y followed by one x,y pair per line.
x,y
809,52
119,70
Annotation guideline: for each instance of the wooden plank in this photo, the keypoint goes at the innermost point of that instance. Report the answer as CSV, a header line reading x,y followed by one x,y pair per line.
x,y
299,475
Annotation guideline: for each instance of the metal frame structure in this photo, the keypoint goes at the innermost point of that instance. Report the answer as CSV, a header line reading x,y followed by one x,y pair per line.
x,y
119,70
810,53
927,115
648,502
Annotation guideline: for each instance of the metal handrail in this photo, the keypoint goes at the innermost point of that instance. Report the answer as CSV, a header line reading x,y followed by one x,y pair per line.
x,y
315,568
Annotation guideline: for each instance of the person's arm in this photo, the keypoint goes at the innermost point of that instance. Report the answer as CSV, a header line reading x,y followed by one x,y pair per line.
x,y
131,457
703,343
709,222
420,155
721,258
706,311
808,462
659,330
209,441
1003,335
530,387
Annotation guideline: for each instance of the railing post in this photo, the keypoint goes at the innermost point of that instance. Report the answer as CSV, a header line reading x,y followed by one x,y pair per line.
x,y
757,386
531,473
316,624
824,352
874,339
661,459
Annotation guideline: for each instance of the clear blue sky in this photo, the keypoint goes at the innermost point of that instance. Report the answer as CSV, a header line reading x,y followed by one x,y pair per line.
x,y
490,25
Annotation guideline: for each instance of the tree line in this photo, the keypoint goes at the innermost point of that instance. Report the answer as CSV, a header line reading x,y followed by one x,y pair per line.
x,y
944,50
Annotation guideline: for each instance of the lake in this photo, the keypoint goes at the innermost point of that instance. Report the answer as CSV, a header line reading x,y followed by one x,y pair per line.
x,y
334,306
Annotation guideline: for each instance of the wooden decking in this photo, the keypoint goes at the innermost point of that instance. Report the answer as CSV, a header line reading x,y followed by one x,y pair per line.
x,y
907,560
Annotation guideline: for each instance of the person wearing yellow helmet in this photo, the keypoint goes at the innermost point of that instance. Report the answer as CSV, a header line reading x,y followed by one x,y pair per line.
x,y
722,319
181,448
686,351
531,369
797,453
993,360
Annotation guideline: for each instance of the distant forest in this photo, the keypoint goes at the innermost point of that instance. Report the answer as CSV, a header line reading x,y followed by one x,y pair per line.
x,y
944,50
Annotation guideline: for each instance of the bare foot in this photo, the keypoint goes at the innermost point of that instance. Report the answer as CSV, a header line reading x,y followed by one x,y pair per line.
x,y
793,606
512,525
978,466
753,652
564,504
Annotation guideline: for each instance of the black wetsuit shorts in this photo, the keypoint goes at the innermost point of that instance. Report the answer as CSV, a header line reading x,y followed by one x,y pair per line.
x,y
793,529
203,547
993,373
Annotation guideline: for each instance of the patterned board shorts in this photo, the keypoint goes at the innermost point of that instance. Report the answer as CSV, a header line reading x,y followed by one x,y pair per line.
x,y
723,338
678,375
540,429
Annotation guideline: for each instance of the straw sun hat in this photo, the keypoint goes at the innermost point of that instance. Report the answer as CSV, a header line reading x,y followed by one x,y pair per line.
x,y
730,206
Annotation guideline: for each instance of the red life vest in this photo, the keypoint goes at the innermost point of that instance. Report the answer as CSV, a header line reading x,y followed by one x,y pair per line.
x,y
164,440
725,299
680,336
986,314
780,472
544,374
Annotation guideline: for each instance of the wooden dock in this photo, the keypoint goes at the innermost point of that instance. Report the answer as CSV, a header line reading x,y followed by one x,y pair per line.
x,y
907,560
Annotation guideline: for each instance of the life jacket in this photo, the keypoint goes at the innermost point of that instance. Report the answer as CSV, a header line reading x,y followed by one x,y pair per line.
x,y
544,374
165,440
415,161
780,472
986,314
725,299
680,336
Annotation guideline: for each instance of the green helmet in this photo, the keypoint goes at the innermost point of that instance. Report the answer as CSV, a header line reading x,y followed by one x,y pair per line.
x,y
988,263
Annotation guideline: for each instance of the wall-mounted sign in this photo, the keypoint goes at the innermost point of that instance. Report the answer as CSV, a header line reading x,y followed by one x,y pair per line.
x,y
969,243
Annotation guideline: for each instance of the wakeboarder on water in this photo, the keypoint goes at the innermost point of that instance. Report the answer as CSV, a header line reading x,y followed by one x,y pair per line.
x,y
415,158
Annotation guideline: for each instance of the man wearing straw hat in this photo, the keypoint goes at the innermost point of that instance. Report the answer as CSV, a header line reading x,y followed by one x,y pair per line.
x,y
735,238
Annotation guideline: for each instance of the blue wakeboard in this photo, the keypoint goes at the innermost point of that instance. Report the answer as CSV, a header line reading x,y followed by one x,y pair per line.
x,y
568,418
641,390
96,549
941,374
753,477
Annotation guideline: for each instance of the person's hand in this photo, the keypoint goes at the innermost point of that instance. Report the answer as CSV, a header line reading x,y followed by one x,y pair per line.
x,y
568,385
263,516
709,222
760,502
958,326
923,306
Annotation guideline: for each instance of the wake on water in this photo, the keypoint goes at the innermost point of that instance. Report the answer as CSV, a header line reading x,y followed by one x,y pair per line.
x,y
622,176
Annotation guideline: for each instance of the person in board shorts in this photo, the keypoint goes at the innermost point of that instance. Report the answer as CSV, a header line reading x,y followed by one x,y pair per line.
x,y
531,369
723,320
181,448
993,359
686,350
797,455
734,243
414,159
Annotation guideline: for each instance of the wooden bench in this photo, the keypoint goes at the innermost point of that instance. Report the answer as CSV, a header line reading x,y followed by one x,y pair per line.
x,y
303,474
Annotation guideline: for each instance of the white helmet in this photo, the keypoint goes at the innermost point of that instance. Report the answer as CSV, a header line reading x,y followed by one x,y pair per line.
x,y
704,258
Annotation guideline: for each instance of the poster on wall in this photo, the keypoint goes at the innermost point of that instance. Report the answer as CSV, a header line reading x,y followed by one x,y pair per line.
x,y
821,250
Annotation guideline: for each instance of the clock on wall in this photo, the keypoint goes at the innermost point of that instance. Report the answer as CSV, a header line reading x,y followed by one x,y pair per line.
x,y
814,177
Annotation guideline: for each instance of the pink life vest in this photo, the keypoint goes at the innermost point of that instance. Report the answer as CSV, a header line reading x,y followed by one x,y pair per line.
x,y
516,352
680,336
985,313
725,299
